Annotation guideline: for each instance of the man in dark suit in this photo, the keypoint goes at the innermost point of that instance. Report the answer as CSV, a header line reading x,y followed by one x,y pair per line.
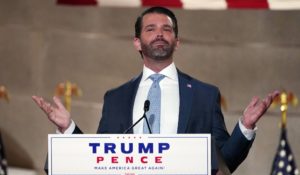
x,y
187,105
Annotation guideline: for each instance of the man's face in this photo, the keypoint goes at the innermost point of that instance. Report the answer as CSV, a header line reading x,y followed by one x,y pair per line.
x,y
157,40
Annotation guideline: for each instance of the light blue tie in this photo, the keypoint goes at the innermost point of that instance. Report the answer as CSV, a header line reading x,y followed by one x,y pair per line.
x,y
154,96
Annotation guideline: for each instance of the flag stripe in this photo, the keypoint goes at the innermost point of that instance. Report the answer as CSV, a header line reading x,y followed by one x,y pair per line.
x,y
120,3
248,4
284,5
193,4
77,2
164,3
204,4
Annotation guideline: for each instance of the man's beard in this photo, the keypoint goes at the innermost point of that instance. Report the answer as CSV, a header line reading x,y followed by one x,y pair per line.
x,y
159,53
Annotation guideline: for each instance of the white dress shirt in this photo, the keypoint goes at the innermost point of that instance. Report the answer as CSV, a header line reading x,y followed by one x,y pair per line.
x,y
169,100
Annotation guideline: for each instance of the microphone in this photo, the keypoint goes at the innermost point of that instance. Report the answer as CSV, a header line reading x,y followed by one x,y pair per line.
x,y
146,108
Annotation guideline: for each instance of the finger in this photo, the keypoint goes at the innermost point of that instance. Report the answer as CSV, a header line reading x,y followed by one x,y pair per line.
x,y
264,105
37,100
275,94
254,101
58,102
41,103
49,109
267,101
46,106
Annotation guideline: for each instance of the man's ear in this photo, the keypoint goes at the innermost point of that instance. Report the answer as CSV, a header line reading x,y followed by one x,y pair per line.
x,y
177,43
137,44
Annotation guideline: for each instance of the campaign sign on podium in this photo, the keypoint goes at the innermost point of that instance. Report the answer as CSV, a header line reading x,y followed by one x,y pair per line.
x,y
129,154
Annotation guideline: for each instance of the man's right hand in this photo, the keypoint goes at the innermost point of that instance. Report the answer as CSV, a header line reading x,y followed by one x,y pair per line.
x,y
56,113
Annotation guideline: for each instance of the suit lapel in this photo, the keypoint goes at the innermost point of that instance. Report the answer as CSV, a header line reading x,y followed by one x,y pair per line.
x,y
186,97
134,84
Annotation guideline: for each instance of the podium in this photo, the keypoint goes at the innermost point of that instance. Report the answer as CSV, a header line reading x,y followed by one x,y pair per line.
x,y
129,154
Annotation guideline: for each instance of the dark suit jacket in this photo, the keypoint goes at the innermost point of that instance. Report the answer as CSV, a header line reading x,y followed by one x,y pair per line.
x,y
199,113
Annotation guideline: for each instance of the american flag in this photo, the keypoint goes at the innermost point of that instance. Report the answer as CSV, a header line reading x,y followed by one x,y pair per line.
x,y
3,162
192,4
284,161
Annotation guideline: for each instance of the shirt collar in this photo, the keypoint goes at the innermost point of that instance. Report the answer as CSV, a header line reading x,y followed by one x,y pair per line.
x,y
169,71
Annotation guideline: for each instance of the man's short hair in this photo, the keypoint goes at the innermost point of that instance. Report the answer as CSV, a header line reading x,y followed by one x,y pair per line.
x,y
159,10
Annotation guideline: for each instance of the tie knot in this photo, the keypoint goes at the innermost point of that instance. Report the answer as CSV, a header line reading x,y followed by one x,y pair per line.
x,y
156,77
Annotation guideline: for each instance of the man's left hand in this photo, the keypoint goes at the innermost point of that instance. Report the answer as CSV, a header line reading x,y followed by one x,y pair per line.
x,y
256,109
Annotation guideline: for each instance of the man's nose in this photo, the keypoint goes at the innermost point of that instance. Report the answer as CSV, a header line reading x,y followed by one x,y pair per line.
x,y
159,33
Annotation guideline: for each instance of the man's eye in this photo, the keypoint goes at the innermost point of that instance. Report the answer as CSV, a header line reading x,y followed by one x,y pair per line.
x,y
150,29
168,29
